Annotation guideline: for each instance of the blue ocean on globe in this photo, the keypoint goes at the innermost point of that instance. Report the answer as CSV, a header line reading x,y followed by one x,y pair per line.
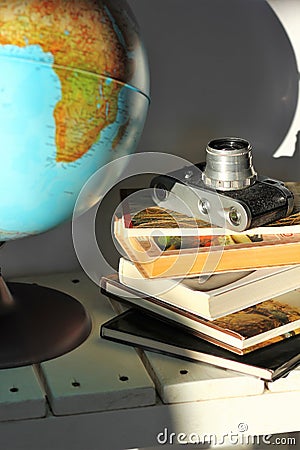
x,y
30,89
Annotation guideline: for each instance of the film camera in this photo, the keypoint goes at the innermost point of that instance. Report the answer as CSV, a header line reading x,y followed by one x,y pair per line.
x,y
225,190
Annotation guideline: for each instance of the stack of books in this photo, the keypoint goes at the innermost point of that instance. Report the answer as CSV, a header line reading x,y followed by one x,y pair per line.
x,y
207,295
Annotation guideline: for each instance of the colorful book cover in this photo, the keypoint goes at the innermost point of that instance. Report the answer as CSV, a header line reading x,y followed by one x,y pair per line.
x,y
137,328
240,332
153,226
177,250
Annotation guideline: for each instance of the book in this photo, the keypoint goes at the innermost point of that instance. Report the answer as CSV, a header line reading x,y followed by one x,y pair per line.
x,y
241,332
217,296
165,243
139,329
139,215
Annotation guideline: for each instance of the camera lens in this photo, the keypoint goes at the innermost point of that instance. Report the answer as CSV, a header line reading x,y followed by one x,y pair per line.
x,y
228,144
229,164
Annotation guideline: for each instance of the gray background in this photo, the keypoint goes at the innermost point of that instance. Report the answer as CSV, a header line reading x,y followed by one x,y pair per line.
x,y
217,68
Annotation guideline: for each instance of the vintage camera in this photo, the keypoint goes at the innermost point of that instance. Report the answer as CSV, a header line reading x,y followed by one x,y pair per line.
x,y
225,190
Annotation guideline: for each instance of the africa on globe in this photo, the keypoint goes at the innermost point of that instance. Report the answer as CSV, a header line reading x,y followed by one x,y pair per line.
x,y
74,94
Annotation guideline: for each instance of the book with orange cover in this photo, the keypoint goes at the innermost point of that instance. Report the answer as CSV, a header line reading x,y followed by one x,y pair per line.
x,y
165,243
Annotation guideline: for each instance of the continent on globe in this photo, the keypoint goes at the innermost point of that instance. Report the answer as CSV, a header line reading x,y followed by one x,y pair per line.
x,y
74,93
81,35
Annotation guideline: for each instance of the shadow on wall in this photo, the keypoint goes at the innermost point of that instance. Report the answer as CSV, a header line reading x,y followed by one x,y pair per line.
x,y
219,69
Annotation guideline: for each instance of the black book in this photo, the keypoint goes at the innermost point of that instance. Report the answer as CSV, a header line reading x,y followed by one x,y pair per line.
x,y
143,330
241,332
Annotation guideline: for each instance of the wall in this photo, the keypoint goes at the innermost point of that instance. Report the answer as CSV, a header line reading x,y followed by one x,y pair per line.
x,y
217,68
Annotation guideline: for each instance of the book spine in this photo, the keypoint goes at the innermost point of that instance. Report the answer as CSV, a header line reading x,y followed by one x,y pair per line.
x,y
221,260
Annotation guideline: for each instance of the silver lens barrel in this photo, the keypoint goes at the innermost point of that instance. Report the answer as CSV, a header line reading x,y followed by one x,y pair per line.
x,y
229,164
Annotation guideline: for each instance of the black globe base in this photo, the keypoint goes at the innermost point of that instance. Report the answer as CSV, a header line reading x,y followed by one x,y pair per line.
x,y
40,324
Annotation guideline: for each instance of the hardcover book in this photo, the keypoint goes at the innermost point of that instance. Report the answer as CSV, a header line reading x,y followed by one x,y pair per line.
x,y
165,243
137,328
241,332
217,296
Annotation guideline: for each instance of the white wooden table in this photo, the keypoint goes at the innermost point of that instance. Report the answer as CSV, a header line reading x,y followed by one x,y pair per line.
x,y
103,395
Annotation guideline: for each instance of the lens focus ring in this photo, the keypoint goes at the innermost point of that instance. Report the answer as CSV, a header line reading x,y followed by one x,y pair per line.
x,y
229,164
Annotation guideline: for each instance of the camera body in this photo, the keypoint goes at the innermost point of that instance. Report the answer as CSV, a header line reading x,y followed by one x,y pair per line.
x,y
225,190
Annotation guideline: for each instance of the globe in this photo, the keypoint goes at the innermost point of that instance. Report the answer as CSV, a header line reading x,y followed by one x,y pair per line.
x,y
74,94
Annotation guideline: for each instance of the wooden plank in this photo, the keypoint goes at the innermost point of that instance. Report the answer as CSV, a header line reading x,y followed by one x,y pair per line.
x,y
139,427
98,375
21,396
182,381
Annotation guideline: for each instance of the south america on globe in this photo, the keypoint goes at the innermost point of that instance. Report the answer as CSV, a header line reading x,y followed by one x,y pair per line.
x,y
74,94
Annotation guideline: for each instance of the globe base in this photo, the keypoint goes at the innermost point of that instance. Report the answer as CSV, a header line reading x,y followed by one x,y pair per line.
x,y
40,324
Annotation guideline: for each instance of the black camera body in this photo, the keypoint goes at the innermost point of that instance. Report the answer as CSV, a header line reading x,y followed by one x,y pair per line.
x,y
225,190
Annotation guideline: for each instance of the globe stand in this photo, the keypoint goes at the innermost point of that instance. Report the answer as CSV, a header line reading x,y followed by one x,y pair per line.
x,y
38,323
